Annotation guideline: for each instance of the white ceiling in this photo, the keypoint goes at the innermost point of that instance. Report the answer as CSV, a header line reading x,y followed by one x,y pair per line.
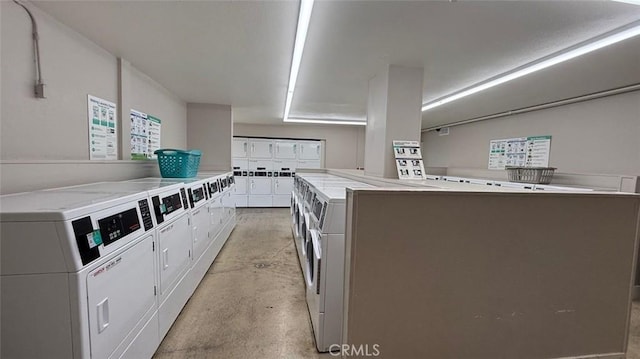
x,y
239,52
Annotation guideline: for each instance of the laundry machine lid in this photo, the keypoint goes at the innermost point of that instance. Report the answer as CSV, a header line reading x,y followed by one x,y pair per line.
x,y
54,205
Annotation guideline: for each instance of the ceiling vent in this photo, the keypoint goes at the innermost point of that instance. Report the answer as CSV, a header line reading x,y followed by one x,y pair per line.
x,y
443,131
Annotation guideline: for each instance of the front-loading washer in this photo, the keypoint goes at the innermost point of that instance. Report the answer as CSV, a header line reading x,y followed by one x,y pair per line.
x,y
78,275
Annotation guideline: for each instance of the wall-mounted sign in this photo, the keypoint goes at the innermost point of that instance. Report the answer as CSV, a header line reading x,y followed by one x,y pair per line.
x,y
408,159
103,134
519,152
145,135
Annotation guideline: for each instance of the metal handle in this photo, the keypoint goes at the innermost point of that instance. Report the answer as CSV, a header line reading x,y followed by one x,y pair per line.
x,y
277,183
277,148
318,149
245,147
253,148
294,148
103,315
195,234
165,258
270,148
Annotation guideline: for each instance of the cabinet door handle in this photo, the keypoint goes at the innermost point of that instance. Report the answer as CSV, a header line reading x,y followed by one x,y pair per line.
x,y
195,234
270,148
245,148
253,148
103,315
294,149
165,258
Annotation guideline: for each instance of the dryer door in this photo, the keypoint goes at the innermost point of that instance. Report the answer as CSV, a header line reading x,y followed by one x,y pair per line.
x,y
174,242
120,292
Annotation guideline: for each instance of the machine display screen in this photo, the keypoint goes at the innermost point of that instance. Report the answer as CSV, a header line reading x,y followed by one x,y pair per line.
x,y
198,194
172,203
118,225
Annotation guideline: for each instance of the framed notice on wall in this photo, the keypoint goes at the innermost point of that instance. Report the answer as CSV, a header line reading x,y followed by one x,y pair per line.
x,y
103,134
519,152
145,135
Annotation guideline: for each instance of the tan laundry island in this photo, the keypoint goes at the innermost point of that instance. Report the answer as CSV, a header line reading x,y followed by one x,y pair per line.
x,y
463,273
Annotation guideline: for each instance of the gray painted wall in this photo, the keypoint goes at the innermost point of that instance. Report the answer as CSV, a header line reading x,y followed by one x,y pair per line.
x,y
599,136
44,142
344,145
210,130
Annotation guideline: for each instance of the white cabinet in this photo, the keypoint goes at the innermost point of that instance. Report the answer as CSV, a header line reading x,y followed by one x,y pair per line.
x,y
308,164
284,165
260,165
260,148
240,163
310,150
286,149
240,147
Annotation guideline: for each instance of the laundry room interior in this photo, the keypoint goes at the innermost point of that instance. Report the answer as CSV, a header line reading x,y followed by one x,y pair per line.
x,y
317,179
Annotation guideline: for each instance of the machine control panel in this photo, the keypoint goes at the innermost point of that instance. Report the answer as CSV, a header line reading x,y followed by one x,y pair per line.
x,y
185,200
317,208
167,206
223,183
86,239
322,215
146,214
118,225
215,187
196,195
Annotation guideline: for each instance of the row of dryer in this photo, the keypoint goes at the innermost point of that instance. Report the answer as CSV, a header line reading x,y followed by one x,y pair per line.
x,y
265,182
102,270
318,224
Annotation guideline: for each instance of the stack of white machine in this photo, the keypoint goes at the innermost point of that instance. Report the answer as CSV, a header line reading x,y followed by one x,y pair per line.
x,y
103,270
264,169
318,221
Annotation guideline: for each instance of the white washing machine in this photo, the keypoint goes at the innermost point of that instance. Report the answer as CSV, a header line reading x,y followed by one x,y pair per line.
x,y
78,275
201,237
323,257
169,205
222,206
260,188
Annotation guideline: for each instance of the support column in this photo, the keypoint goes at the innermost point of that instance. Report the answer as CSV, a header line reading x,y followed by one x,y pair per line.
x,y
394,112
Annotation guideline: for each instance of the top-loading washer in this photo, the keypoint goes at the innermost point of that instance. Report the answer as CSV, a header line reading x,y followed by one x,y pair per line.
x,y
78,275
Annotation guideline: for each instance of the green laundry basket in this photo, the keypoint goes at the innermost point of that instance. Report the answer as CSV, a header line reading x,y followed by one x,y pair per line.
x,y
178,163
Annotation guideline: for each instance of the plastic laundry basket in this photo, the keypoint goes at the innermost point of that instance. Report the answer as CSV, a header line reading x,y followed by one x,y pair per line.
x,y
538,175
178,163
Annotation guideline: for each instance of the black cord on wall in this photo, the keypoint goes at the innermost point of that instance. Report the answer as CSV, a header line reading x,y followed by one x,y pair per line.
x,y
39,86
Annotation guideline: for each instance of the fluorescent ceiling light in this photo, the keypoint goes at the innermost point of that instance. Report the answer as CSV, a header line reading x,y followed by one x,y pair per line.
x,y
304,17
326,122
634,2
553,59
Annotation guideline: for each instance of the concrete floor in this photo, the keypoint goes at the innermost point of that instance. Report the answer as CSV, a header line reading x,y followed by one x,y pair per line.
x,y
251,303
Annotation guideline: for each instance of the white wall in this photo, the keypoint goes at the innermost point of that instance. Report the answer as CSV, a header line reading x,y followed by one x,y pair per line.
x,y
344,145
600,136
209,130
44,142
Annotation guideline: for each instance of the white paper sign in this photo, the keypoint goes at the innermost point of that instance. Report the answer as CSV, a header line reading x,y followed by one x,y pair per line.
x,y
408,159
103,134
145,135
519,152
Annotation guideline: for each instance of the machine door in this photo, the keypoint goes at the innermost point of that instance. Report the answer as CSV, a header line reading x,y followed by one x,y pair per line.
x,y
286,149
241,185
260,148
120,291
260,185
315,262
200,231
174,242
283,185
240,147
310,150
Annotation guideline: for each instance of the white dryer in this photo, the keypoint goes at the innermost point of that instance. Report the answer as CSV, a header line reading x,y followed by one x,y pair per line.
x,y
78,275
324,262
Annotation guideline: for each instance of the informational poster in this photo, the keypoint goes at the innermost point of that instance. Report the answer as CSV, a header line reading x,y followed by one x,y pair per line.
x,y
103,134
408,159
519,152
155,127
145,135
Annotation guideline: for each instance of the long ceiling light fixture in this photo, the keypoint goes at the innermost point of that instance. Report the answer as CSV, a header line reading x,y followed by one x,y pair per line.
x,y
580,49
304,17
326,122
